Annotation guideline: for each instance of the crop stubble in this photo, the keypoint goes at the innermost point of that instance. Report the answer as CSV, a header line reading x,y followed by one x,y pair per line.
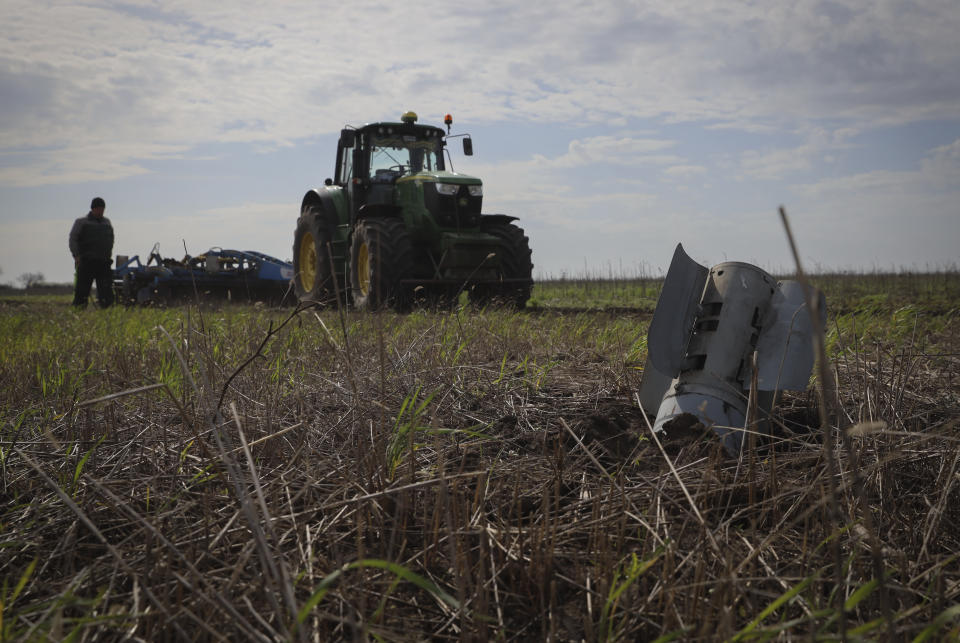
x,y
469,475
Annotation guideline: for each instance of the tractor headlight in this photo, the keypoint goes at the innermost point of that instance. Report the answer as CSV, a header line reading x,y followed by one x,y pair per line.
x,y
475,190
447,189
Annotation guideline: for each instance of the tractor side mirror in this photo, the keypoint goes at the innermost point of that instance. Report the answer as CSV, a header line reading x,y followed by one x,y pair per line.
x,y
348,137
468,146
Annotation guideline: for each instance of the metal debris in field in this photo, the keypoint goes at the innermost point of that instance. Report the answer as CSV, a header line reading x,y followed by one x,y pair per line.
x,y
708,329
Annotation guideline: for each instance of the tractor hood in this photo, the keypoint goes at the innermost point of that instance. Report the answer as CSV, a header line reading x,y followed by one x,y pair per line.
x,y
441,177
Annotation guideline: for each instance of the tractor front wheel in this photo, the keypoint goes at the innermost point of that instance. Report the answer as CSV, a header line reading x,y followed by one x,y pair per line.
x,y
311,264
381,255
516,269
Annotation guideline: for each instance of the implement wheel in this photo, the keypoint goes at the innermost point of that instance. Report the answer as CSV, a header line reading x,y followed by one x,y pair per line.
x,y
381,254
515,263
311,264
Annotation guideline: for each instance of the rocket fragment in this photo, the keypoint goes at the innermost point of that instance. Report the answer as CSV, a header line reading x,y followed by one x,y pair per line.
x,y
705,330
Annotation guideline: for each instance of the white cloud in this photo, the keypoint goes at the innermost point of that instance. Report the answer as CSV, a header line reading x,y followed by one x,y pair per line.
x,y
265,227
609,150
885,181
558,191
183,72
942,166
685,171
88,162
778,163
102,90
938,171
886,219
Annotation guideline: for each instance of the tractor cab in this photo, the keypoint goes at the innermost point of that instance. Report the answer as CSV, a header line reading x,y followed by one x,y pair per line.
x,y
372,160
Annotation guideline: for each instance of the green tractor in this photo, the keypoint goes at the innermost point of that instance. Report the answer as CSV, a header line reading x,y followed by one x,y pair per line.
x,y
395,226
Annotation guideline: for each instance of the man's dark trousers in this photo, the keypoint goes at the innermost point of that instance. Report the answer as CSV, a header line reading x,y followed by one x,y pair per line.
x,y
88,271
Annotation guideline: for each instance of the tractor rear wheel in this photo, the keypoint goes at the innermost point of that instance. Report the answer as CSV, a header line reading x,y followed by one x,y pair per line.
x,y
381,255
515,263
311,264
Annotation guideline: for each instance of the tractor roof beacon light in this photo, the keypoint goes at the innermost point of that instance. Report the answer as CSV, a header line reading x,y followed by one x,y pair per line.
x,y
448,121
707,327
409,117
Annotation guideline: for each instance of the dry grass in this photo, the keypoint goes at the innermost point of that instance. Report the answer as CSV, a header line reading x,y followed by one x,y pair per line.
x,y
457,476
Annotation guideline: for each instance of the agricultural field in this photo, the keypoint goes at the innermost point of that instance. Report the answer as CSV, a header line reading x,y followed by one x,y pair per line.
x,y
237,472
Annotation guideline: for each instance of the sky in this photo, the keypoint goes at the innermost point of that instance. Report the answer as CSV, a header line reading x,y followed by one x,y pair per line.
x,y
613,129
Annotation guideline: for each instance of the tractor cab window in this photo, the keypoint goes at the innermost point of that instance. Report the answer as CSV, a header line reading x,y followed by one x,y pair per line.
x,y
424,159
395,156
346,166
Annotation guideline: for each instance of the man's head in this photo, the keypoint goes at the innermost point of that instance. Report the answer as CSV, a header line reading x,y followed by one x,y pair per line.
x,y
97,206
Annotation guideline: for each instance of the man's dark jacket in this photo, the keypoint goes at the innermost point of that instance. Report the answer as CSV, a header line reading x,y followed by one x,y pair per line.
x,y
91,239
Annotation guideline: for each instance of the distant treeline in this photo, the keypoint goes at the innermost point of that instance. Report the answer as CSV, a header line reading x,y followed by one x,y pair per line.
x,y
38,289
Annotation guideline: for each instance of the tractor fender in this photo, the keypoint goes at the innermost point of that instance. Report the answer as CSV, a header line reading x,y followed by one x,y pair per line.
x,y
497,218
329,204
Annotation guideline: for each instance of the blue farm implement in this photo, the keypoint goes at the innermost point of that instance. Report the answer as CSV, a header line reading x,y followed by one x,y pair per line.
x,y
234,275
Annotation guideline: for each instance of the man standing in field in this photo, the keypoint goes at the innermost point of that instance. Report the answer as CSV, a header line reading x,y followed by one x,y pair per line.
x,y
91,244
